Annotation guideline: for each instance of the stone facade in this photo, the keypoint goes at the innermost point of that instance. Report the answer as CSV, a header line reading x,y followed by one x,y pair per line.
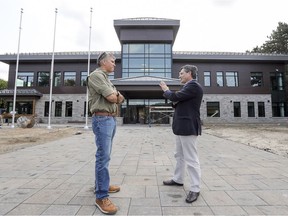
x,y
78,110
227,108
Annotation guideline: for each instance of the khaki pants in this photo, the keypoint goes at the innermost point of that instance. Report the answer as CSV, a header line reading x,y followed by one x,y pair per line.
x,y
186,154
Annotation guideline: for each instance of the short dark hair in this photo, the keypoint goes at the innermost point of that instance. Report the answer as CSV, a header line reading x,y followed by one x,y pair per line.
x,y
191,68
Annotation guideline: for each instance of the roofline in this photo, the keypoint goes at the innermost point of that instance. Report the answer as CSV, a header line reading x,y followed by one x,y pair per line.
x,y
177,55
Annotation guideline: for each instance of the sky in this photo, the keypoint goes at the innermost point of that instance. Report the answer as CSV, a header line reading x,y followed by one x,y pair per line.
x,y
205,25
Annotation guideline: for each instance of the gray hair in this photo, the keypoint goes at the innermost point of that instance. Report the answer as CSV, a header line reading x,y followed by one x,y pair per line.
x,y
103,56
190,68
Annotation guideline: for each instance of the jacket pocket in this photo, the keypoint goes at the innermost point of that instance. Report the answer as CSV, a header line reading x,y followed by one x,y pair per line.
x,y
183,125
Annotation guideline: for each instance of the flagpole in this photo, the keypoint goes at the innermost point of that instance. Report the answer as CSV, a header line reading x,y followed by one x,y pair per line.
x,y
51,73
16,72
88,70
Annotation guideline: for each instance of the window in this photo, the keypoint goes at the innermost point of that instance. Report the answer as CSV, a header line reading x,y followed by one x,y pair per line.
x,y
277,81
146,60
237,109
85,109
220,78
232,79
21,107
256,79
43,78
213,109
25,79
261,109
58,108
89,113
111,75
57,79
251,109
69,109
83,78
69,78
46,109
278,109
207,78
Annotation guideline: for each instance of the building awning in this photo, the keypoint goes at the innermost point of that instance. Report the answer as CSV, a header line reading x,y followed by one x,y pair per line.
x,y
144,86
20,92
145,81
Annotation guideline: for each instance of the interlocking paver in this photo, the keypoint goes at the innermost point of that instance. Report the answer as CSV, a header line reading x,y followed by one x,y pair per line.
x,y
57,178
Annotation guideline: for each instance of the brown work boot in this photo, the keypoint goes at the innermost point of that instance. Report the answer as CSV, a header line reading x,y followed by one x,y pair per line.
x,y
113,189
106,206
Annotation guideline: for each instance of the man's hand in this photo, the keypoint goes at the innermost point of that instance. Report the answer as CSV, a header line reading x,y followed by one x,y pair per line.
x,y
163,86
120,98
115,97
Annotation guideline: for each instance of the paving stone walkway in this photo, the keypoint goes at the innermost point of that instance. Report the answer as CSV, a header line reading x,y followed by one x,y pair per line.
x,y
57,178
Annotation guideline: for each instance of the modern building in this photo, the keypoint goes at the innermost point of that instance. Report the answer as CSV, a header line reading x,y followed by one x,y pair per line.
x,y
238,87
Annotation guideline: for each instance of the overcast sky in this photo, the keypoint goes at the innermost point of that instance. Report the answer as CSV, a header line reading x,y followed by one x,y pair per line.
x,y
205,25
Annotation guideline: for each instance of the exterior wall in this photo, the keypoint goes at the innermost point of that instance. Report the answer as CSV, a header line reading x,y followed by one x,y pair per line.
x,y
78,113
243,68
227,113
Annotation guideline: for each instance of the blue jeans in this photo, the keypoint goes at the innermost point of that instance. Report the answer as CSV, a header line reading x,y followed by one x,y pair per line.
x,y
104,128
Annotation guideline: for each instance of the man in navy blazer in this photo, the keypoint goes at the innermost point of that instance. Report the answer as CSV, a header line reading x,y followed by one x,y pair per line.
x,y
186,126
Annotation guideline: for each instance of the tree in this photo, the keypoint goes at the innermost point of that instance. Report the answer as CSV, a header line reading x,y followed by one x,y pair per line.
x,y
3,84
277,43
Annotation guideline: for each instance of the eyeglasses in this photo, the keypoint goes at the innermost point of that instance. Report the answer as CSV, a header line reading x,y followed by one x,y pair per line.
x,y
101,57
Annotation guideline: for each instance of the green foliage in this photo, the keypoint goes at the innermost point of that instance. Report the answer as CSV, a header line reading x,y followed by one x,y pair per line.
x,y
277,43
3,84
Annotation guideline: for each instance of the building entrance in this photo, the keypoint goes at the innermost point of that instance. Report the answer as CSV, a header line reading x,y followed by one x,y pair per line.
x,y
138,111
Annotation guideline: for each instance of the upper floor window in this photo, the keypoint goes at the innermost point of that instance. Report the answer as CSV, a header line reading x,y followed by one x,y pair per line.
x,y
25,79
231,79
256,79
207,78
43,78
220,78
277,81
83,78
57,78
69,78
146,59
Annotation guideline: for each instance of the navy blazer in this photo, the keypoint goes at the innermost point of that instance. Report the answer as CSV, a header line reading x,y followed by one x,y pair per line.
x,y
187,102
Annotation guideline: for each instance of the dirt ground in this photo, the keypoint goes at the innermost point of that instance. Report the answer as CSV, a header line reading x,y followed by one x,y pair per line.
x,y
271,138
18,138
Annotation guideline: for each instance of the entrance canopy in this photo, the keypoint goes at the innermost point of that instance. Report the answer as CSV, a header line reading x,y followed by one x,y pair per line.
x,y
144,86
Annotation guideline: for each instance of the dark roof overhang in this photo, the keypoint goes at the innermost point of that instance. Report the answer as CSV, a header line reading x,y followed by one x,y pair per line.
x,y
177,56
229,56
58,56
21,92
147,23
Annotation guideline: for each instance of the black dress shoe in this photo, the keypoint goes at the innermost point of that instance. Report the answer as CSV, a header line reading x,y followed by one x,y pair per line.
x,y
171,183
192,196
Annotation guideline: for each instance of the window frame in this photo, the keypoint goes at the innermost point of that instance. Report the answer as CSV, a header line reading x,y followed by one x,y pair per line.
x,y
207,78
213,107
